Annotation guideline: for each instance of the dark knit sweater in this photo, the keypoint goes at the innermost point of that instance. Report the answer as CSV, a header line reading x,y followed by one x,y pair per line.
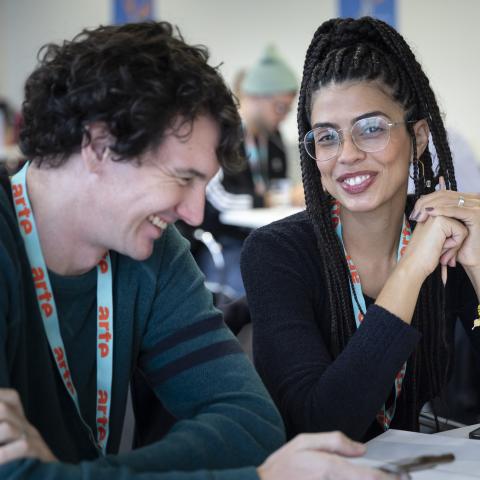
x,y
166,326
289,308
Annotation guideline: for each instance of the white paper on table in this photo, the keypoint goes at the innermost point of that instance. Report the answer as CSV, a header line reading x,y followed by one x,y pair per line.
x,y
396,445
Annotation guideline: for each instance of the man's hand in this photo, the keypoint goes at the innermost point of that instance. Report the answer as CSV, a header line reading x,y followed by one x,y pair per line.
x,y
319,457
18,438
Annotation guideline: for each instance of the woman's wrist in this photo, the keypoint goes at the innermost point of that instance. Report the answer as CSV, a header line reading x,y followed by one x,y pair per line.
x,y
408,270
400,292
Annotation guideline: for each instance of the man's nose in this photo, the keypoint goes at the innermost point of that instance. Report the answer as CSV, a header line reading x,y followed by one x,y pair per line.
x,y
192,207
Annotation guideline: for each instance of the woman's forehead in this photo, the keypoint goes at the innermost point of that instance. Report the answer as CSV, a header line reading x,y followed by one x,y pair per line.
x,y
347,100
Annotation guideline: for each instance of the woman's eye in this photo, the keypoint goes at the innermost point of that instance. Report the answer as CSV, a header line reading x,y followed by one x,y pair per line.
x,y
371,130
325,137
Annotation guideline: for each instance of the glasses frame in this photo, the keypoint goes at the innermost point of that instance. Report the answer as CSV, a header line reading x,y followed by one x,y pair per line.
x,y
341,136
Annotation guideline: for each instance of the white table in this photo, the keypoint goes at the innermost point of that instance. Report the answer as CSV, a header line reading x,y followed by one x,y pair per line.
x,y
395,445
256,217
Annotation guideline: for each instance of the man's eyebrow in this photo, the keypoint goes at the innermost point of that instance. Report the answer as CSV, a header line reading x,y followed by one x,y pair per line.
x,y
190,172
375,113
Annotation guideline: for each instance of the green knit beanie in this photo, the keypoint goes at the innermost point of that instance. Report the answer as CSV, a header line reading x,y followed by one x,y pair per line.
x,y
269,76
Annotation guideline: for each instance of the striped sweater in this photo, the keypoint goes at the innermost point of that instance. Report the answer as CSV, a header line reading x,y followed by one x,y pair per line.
x,y
166,326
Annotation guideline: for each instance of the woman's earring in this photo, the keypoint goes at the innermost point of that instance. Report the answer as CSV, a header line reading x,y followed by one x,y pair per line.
x,y
426,182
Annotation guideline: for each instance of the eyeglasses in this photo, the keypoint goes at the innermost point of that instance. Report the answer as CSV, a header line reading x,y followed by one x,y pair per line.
x,y
370,134
282,108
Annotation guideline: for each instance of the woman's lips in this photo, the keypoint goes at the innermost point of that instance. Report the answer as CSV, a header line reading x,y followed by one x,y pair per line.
x,y
355,183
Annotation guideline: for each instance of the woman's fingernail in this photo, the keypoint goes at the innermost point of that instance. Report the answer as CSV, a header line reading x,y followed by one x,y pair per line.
x,y
429,209
413,215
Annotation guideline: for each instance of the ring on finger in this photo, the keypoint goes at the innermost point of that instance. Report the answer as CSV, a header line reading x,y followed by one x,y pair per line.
x,y
461,201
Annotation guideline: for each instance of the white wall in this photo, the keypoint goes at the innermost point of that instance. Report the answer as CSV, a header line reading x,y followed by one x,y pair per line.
x,y
28,24
446,39
3,45
445,36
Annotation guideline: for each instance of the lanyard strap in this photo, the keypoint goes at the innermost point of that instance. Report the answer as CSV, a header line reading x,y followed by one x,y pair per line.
x,y
48,311
384,416
257,155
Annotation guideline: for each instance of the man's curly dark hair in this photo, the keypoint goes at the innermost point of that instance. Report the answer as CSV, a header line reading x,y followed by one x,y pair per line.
x,y
138,79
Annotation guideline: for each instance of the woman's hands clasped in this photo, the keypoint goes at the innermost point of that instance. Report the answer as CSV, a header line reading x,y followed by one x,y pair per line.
x,y
452,219
462,207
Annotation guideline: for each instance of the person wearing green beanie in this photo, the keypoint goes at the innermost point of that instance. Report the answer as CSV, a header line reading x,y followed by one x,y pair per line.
x,y
266,92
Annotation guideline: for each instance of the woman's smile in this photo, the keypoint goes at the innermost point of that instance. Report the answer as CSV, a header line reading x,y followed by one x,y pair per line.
x,y
357,182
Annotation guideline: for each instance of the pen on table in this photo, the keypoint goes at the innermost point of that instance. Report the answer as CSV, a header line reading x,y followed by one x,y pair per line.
x,y
408,465
441,182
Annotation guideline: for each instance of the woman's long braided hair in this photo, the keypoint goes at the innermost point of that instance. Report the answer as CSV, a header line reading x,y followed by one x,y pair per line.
x,y
370,50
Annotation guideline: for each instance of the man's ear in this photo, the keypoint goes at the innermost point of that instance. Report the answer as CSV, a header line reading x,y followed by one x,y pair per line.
x,y
95,145
422,134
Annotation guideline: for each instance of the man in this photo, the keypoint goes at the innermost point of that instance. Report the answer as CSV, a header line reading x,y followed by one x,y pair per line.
x,y
124,126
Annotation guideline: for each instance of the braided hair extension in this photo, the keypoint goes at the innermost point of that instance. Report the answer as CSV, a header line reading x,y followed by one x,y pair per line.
x,y
370,50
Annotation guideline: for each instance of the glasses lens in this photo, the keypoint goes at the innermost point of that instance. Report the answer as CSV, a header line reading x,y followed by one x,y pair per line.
x,y
322,143
371,134
281,108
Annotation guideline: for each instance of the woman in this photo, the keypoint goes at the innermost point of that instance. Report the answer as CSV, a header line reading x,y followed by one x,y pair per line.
x,y
352,325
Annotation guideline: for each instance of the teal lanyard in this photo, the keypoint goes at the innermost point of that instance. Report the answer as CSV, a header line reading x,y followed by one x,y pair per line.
x,y
384,416
258,158
48,311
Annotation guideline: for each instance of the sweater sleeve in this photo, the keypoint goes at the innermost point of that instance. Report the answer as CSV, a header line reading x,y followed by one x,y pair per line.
x,y
29,469
229,192
288,307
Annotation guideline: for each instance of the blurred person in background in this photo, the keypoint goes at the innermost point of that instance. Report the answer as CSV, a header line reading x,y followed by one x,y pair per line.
x,y
467,166
266,93
10,121
7,116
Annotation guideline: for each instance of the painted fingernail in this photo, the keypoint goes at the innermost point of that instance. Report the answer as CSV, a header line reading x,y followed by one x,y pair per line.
x,y
429,209
413,215
417,214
